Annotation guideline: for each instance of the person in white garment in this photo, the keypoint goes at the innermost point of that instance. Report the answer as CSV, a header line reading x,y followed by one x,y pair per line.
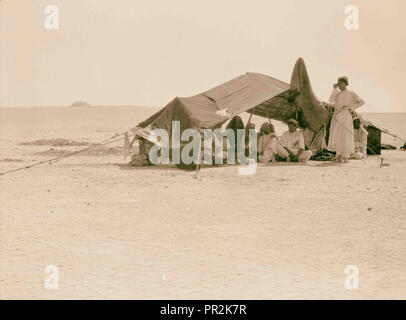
x,y
294,143
269,145
341,139
360,140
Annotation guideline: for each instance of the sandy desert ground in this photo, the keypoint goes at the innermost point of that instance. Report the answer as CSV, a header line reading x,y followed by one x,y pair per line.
x,y
288,231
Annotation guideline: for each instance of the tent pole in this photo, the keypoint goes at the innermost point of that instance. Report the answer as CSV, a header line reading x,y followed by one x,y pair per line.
x,y
249,120
267,115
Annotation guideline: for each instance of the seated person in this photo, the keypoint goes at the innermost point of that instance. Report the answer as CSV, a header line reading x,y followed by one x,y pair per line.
x,y
293,142
142,157
268,145
315,141
250,126
360,140
235,124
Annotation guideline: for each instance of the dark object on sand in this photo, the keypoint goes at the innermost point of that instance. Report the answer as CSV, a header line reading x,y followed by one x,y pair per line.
x,y
403,147
387,147
325,155
59,142
91,152
374,145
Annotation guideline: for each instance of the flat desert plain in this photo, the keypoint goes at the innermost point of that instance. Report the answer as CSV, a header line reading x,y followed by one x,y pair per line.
x,y
116,232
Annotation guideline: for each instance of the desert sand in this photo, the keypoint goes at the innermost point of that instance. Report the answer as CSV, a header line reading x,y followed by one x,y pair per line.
x,y
115,232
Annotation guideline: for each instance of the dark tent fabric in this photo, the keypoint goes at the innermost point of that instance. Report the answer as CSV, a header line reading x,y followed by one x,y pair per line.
x,y
197,112
200,111
246,91
313,111
249,92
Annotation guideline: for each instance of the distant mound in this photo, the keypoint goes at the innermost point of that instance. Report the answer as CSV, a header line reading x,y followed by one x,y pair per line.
x,y
96,152
80,104
55,143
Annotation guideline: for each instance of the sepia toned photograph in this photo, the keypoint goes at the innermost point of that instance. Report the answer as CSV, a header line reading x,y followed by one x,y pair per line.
x,y
202,150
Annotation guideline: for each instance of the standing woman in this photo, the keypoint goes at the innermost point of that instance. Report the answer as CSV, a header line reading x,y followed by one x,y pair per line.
x,y
341,139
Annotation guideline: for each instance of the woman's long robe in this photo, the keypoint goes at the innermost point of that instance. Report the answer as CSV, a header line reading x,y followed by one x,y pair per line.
x,y
341,138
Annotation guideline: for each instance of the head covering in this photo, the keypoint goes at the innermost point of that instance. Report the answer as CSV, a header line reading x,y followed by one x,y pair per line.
x,y
266,128
235,123
343,79
293,121
250,125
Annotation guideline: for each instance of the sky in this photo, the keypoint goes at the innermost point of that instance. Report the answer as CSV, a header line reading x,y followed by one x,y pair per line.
x,y
139,52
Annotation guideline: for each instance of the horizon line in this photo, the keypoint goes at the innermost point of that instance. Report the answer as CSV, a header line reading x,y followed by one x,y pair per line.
x,y
134,105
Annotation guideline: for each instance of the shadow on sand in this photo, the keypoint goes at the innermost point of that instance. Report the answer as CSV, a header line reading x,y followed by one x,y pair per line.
x,y
127,166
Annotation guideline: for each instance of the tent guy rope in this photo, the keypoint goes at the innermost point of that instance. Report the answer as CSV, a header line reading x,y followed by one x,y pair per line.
x,y
56,159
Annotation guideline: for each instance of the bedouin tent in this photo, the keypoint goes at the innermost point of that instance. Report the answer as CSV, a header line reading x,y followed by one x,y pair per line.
x,y
252,92
263,95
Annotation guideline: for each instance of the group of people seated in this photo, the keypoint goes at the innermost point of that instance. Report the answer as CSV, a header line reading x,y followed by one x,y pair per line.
x,y
289,147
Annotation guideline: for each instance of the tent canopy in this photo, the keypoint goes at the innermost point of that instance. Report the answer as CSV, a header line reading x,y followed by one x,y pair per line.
x,y
249,92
